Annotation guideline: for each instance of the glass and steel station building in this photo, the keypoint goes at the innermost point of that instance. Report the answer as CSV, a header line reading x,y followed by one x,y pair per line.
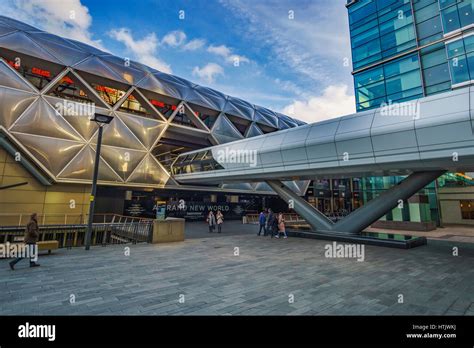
x,y
50,86
401,50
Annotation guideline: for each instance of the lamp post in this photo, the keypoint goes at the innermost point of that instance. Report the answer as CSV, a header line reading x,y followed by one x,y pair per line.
x,y
101,120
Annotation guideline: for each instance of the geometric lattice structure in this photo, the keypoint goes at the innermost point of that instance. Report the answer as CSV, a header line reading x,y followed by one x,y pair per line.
x,y
50,86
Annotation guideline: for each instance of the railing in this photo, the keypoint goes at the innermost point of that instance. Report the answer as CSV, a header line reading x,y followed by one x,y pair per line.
x,y
21,219
74,235
289,217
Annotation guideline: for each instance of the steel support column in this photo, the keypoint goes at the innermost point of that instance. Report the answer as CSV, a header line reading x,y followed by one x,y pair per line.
x,y
373,210
362,217
317,220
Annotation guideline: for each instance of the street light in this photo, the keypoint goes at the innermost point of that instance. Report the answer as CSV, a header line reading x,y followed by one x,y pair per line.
x,y
101,120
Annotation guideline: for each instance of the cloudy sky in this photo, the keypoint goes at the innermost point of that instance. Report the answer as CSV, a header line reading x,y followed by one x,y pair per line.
x,y
291,56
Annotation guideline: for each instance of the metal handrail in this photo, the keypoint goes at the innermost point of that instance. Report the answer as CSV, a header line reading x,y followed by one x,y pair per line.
x,y
76,217
74,235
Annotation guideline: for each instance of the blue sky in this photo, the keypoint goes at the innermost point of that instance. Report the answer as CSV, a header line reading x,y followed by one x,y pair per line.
x,y
289,55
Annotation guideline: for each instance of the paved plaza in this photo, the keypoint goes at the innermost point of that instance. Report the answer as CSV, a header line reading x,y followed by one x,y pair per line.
x,y
207,275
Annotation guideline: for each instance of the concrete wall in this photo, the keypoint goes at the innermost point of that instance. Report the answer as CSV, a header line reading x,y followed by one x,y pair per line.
x,y
449,199
52,202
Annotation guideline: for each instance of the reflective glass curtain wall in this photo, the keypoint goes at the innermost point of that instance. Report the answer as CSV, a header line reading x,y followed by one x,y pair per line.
x,y
409,37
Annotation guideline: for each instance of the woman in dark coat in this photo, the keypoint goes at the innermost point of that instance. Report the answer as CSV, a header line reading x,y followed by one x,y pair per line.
x,y
31,238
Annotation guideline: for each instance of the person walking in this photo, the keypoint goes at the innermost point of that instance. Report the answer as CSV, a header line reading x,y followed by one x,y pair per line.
x,y
220,221
272,223
211,220
281,226
262,220
31,238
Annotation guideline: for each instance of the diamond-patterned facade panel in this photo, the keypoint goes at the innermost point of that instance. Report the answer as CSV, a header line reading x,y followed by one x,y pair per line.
x,y
12,104
224,131
93,65
145,129
149,171
67,54
10,78
240,108
117,134
253,131
123,161
20,42
53,153
151,83
41,119
81,167
78,115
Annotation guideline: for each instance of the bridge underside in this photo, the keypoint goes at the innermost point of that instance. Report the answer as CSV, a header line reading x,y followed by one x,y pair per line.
x,y
362,217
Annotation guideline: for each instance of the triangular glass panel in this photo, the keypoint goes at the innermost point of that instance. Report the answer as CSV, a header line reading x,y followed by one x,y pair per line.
x,y
184,116
78,115
265,116
239,123
149,172
54,154
71,87
41,119
239,107
14,102
86,48
20,42
81,167
4,29
95,66
111,92
263,187
164,104
117,134
68,55
16,24
151,83
224,131
123,67
214,99
38,72
122,161
253,131
136,104
145,129
11,79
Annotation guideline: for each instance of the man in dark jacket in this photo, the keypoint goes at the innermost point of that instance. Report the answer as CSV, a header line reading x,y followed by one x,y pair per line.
x,y
31,238
270,222
262,221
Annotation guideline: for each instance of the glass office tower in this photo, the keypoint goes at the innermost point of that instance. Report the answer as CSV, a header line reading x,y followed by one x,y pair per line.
x,y
407,49
403,50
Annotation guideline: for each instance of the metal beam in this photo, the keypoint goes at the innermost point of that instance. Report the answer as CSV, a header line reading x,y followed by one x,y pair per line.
x,y
373,210
316,219
362,217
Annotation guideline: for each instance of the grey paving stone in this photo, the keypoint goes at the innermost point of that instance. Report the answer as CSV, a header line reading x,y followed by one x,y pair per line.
x,y
258,282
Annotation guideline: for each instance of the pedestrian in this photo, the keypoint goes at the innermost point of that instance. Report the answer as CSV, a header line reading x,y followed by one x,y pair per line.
x,y
220,221
211,220
31,238
271,223
262,220
281,226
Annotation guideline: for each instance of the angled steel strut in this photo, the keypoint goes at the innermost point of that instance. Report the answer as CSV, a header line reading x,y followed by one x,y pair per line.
x,y
362,217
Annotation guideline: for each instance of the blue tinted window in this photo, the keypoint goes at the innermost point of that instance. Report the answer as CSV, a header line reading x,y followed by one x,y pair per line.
x,y
459,69
361,10
461,61
396,81
456,14
455,48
